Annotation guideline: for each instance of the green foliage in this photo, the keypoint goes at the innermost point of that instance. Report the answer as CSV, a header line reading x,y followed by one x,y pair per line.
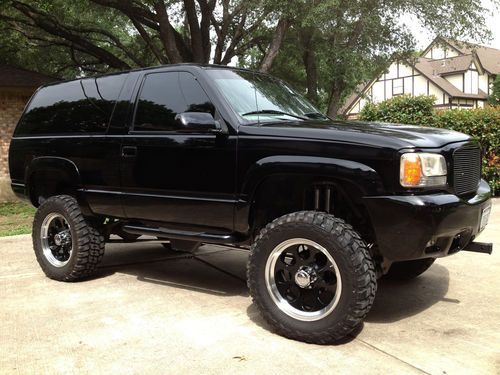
x,y
483,124
494,98
17,208
15,218
403,109
347,42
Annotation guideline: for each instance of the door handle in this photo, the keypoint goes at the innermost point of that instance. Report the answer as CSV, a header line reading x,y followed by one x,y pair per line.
x,y
129,151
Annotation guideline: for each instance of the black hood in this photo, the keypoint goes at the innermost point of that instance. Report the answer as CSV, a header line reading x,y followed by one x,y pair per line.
x,y
395,136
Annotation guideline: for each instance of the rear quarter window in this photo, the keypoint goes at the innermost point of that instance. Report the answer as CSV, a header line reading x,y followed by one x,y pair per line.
x,y
75,107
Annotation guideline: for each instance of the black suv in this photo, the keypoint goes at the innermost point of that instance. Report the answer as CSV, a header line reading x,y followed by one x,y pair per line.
x,y
193,154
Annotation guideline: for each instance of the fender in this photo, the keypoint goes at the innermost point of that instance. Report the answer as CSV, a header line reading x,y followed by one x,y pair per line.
x,y
66,171
365,178
65,166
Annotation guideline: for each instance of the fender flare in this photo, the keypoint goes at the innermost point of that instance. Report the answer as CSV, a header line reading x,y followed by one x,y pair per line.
x,y
65,170
361,175
343,172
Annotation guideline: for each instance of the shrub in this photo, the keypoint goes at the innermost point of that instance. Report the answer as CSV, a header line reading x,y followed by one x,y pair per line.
x,y
403,109
494,98
482,124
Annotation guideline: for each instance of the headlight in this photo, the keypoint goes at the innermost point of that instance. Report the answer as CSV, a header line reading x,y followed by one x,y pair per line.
x,y
422,169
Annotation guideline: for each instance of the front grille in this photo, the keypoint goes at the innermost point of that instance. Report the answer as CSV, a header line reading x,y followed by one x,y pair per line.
x,y
466,169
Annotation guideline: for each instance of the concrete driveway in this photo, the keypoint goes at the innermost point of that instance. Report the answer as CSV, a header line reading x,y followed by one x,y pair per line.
x,y
153,311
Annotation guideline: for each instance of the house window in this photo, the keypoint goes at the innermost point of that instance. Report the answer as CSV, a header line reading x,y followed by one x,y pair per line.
x,y
397,87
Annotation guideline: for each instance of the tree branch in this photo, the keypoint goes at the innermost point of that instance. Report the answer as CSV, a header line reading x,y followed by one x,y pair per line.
x,y
275,45
149,42
50,25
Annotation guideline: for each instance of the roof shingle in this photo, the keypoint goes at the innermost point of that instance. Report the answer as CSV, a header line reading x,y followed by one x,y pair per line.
x,y
17,77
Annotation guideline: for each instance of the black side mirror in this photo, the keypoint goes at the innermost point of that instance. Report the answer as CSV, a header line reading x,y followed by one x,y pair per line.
x,y
196,121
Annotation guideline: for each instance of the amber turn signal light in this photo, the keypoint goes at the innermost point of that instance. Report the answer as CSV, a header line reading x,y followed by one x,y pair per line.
x,y
411,170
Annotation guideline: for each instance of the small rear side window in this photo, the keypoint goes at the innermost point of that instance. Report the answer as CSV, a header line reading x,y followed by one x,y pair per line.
x,y
75,107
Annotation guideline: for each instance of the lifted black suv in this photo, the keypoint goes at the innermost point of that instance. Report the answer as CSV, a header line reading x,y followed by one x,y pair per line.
x,y
194,154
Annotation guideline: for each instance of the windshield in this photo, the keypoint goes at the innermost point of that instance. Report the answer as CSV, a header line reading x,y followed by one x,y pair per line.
x,y
261,98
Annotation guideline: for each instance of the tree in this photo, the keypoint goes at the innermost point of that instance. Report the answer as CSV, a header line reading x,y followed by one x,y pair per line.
x,y
350,42
494,98
104,35
325,47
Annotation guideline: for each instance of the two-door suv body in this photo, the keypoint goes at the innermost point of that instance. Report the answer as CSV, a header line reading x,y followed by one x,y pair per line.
x,y
193,154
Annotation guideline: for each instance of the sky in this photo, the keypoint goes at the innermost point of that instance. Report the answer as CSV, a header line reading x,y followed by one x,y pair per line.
x,y
492,23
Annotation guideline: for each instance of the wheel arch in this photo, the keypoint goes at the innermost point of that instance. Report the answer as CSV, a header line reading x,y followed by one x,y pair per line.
x,y
48,176
281,179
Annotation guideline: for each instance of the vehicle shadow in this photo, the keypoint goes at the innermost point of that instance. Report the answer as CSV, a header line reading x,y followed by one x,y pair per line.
x,y
217,271
396,300
221,272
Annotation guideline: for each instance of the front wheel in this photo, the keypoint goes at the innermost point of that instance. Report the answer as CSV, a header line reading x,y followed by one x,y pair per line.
x,y
66,245
311,276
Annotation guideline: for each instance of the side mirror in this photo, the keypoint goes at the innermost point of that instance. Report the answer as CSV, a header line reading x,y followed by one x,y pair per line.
x,y
196,121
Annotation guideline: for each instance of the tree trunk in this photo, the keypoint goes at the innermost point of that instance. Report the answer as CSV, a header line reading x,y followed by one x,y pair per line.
x,y
275,45
309,59
195,32
334,101
166,33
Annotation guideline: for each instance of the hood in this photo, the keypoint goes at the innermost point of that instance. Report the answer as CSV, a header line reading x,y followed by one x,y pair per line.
x,y
395,136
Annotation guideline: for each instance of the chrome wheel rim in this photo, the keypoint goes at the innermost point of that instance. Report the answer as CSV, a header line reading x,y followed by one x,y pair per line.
x,y
303,279
55,236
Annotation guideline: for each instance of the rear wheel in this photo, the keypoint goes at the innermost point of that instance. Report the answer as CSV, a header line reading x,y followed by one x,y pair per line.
x,y
409,269
67,247
311,276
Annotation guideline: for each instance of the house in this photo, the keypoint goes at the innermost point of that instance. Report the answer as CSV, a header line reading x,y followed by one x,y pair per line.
x,y
458,74
16,87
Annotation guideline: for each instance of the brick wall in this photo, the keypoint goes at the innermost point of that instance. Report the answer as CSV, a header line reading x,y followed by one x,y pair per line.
x,y
11,107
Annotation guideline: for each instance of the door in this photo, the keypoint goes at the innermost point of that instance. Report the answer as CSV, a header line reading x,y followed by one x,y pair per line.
x,y
170,174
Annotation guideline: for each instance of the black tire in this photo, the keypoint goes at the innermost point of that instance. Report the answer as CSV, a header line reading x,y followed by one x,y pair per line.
x,y
409,269
355,267
87,244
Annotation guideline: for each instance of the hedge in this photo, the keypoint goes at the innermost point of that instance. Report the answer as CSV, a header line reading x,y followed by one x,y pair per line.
x,y
483,124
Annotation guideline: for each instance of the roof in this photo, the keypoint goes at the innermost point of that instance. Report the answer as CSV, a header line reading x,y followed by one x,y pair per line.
x,y
451,65
358,91
21,78
488,57
425,67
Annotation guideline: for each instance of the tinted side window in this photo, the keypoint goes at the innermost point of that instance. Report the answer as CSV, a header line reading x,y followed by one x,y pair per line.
x,y
196,98
164,95
82,106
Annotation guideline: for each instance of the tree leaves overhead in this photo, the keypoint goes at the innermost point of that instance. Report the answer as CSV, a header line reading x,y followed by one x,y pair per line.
x,y
107,35
324,47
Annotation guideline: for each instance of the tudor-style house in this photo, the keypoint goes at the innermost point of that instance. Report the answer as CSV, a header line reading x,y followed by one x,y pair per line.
x,y
458,74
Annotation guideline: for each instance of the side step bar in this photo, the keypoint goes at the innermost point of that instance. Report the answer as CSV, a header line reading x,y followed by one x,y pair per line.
x,y
231,238
479,247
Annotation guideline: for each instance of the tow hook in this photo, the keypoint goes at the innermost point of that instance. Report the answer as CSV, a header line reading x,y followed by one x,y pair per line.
x,y
479,247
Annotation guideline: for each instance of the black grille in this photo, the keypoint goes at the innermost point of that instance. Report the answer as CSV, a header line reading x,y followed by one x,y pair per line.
x,y
466,169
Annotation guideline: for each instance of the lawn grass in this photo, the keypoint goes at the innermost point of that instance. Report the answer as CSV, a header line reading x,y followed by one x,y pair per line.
x,y
15,218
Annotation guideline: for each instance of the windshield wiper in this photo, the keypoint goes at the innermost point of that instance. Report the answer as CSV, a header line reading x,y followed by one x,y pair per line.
x,y
274,112
316,115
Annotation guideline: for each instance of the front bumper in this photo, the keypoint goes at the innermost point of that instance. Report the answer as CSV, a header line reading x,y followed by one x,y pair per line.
x,y
424,226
